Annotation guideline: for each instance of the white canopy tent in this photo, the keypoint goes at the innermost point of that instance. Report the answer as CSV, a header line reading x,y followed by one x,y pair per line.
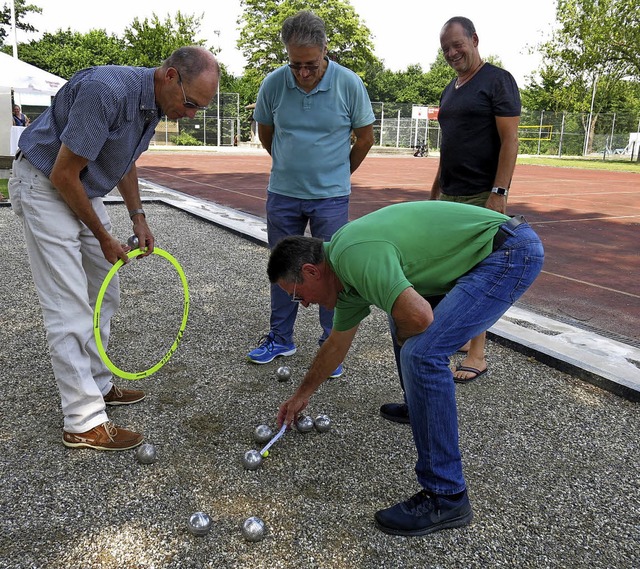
x,y
25,78
30,86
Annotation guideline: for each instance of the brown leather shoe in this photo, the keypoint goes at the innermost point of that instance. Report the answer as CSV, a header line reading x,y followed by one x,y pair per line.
x,y
119,396
103,437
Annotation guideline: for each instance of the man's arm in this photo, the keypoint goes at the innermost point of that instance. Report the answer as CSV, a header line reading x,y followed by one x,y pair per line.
x,y
435,187
265,134
362,145
411,313
65,177
130,191
330,355
508,132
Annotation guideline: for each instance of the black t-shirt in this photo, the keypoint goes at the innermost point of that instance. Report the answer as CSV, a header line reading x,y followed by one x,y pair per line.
x,y
470,143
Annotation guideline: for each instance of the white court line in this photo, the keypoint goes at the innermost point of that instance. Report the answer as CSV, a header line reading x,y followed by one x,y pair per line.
x,y
592,285
585,219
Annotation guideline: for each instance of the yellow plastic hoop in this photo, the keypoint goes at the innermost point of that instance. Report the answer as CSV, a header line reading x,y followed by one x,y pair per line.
x,y
96,317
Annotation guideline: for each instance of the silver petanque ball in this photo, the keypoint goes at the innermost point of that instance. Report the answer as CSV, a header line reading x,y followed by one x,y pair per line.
x,y
322,423
199,524
304,423
146,454
133,242
262,434
253,529
283,373
252,460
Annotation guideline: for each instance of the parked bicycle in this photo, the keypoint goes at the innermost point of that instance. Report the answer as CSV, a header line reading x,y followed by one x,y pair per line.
x,y
421,150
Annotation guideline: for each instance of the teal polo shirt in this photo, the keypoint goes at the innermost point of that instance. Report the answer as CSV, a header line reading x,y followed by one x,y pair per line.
x,y
311,140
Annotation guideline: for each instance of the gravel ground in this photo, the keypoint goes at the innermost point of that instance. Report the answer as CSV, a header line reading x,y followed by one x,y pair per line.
x,y
552,463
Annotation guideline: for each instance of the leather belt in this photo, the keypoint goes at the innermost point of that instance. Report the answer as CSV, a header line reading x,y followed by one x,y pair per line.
x,y
501,236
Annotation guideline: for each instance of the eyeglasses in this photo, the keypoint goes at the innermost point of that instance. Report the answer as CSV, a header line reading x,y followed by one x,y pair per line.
x,y
295,298
309,68
188,104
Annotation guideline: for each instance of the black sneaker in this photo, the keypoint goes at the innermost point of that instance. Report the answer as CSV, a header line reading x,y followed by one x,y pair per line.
x,y
396,412
425,513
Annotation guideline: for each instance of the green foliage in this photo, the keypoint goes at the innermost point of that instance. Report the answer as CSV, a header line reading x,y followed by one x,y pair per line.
x,y
145,43
22,9
185,139
597,43
149,42
65,52
349,40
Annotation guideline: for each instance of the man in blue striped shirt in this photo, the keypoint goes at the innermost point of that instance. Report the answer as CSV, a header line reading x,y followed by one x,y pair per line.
x,y
71,156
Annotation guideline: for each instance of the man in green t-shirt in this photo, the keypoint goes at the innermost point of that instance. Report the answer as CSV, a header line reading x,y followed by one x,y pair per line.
x,y
481,261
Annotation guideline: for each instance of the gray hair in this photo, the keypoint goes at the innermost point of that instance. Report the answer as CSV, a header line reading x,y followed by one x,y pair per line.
x,y
304,29
466,23
192,61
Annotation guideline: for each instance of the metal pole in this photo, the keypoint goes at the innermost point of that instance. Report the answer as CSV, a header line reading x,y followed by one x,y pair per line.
x,y
561,135
14,30
381,123
593,98
398,130
217,32
613,125
218,110
204,128
238,116
540,131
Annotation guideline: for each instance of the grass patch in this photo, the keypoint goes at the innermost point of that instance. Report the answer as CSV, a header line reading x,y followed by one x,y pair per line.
x,y
3,187
612,165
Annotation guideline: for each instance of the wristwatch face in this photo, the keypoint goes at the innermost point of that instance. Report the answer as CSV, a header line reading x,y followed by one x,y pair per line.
x,y
500,191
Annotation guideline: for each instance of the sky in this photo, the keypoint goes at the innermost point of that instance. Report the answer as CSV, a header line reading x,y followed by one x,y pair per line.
x,y
405,33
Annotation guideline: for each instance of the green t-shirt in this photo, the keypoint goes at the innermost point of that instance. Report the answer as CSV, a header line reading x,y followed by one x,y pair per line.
x,y
427,245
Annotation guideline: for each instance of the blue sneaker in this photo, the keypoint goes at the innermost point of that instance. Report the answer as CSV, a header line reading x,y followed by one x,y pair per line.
x,y
269,350
337,372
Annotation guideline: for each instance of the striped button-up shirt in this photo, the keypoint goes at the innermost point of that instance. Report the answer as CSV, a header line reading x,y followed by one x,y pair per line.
x,y
106,114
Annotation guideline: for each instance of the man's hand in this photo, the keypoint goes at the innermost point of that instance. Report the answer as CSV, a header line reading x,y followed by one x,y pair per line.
x,y
146,240
291,408
497,203
113,250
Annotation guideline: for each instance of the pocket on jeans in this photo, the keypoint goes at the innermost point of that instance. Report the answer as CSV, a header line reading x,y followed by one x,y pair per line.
x,y
14,188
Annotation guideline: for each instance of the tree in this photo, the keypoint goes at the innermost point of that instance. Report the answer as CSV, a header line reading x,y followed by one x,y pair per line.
x,y
592,54
150,42
349,41
597,45
144,44
440,74
596,37
21,11
65,52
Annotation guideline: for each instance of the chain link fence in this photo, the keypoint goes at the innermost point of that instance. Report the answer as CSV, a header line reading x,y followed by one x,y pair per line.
x,y
218,125
541,133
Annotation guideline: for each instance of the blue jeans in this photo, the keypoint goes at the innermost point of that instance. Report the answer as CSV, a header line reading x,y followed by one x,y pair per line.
x,y
289,216
476,302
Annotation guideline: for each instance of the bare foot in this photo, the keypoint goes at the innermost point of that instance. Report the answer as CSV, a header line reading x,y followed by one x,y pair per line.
x,y
475,368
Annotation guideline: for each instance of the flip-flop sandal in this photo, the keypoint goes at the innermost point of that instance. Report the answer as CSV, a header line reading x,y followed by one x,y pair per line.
x,y
477,372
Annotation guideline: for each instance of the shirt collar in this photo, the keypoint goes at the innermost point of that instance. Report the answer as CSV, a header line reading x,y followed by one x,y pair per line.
x,y
148,96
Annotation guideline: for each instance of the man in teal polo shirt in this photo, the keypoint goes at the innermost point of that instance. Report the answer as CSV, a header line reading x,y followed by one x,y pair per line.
x,y
306,112
394,258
